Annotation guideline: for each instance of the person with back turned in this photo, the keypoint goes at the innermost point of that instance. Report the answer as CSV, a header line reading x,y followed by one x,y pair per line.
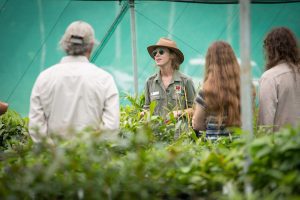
x,y
74,93
279,87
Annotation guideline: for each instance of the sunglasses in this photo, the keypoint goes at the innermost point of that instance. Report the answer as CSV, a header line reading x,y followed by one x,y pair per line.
x,y
160,51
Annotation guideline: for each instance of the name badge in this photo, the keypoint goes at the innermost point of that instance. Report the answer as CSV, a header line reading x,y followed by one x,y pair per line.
x,y
155,93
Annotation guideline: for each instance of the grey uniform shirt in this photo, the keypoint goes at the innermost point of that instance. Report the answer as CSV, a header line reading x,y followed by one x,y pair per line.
x,y
179,95
279,97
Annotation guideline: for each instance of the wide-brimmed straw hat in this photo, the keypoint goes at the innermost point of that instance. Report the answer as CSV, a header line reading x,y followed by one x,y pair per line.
x,y
167,43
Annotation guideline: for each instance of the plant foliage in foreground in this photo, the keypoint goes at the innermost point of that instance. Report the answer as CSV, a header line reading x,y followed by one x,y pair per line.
x,y
13,130
142,163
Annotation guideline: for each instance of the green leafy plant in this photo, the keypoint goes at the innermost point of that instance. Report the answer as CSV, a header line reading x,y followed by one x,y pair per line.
x,y
145,161
13,130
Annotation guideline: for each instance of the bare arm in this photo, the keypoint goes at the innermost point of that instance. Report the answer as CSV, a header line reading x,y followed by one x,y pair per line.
x,y
198,121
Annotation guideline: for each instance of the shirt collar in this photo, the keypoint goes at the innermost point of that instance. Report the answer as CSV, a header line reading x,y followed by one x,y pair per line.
x,y
67,59
157,77
176,76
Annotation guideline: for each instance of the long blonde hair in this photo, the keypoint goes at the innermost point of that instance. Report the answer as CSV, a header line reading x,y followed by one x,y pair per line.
x,y
222,84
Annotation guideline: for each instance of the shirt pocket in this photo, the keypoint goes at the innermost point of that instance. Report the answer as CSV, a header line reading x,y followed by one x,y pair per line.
x,y
155,98
158,99
178,100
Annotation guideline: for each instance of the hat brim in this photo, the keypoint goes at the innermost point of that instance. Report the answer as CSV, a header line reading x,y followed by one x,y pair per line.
x,y
175,50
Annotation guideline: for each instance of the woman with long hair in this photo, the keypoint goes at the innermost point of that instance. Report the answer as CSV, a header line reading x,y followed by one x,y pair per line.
x,y
218,103
279,94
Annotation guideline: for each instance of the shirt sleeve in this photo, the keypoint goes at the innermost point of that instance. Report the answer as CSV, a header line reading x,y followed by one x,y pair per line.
x,y
198,121
147,96
200,99
190,93
37,119
267,102
111,110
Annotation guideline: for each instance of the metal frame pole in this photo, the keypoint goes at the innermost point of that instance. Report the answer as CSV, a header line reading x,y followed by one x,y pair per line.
x,y
110,32
246,97
246,83
133,45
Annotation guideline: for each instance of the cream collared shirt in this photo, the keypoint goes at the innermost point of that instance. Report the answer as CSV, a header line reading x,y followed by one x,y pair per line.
x,y
72,95
279,97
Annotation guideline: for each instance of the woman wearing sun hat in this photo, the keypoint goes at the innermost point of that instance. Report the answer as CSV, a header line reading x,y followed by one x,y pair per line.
x,y
173,91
